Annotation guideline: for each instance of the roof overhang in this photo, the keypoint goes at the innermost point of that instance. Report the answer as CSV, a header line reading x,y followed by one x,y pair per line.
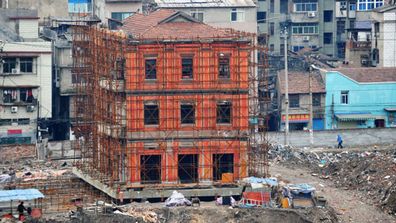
x,y
393,109
357,117
24,17
22,54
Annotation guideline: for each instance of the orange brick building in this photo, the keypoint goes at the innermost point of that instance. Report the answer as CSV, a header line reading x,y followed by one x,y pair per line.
x,y
181,102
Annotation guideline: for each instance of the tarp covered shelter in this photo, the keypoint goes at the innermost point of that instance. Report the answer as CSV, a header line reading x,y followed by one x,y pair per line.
x,y
20,194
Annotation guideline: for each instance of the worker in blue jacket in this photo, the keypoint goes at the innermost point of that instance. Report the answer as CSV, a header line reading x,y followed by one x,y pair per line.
x,y
339,140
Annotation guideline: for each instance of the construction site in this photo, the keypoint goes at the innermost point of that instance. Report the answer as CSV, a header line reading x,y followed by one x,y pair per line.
x,y
157,113
170,125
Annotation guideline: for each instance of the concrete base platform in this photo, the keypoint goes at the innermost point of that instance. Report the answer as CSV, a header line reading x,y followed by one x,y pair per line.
x,y
146,193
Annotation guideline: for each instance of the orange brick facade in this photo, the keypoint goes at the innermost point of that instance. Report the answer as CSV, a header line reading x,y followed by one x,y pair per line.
x,y
169,138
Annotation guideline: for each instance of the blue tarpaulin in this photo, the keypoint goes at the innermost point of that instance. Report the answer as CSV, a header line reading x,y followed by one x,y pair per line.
x,y
301,188
23,195
269,181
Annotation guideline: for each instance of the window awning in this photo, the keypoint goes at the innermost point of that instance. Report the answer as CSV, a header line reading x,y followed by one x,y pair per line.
x,y
357,117
20,195
390,109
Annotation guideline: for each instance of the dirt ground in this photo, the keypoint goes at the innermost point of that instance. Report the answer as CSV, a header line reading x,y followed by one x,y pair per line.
x,y
346,203
211,214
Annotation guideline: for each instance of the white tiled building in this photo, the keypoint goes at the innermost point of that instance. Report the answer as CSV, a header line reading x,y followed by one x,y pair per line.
x,y
384,36
25,83
112,12
237,14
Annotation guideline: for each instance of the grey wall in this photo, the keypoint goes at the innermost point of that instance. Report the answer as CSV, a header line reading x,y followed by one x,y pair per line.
x,y
351,137
45,7
58,149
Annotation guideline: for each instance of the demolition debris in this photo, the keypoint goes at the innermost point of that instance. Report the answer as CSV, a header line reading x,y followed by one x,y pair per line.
x,y
372,172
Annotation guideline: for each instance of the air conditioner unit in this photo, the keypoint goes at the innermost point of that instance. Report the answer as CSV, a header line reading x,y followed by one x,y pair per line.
x,y
14,109
311,14
305,38
14,71
30,108
364,62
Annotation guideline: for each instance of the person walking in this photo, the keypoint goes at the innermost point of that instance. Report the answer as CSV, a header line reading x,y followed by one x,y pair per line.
x,y
339,140
21,209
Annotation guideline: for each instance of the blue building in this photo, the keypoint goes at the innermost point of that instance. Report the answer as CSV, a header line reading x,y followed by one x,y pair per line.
x,y
360,98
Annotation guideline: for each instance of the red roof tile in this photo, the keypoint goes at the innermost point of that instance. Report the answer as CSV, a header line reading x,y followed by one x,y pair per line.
x,y
183,30
139,23
299,83
369,75
155,26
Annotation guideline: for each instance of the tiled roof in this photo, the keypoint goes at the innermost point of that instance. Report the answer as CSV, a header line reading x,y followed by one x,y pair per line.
x,y
139,23
204,3
369,75
169,24
299,83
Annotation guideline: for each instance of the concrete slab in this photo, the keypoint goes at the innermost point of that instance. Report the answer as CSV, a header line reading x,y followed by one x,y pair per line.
x,y
159,192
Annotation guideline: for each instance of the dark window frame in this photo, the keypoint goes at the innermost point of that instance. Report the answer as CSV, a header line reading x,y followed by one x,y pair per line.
x,y
187,113
150,68
187,68
26,64
224,67
261,17
224,112
328,16
327,38
272,48
198,14
272,28
119,16
9,64
234,15
10,95
294,100
316,100
272,6
344,99
151,113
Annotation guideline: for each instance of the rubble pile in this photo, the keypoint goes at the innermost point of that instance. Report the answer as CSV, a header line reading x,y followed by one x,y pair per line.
x,y
144,214
25,170
11,153
372,173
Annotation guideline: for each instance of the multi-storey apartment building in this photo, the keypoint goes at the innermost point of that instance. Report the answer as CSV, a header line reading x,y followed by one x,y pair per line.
x,y
321,24
26,77
383,44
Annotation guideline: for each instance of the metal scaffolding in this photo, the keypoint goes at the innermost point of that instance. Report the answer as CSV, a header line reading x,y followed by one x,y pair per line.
x,y
160,112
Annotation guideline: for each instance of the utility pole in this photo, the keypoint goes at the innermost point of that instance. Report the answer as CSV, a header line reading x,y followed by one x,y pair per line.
x,y
310,125
286,89
2,44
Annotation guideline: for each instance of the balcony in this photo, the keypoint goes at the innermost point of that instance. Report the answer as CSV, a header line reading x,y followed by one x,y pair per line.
x,y
15,72
304,17
113,85
116,131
